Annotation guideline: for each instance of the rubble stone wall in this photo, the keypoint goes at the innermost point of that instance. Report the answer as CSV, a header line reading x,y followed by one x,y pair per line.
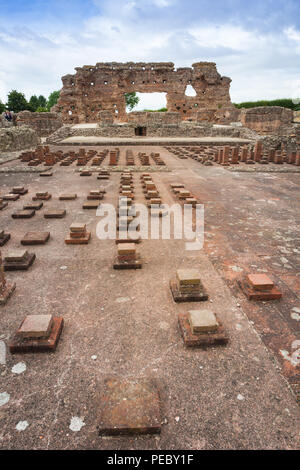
x,y
267,119
140,118
18,138
4,122
184,129
43,123
222,115
102,87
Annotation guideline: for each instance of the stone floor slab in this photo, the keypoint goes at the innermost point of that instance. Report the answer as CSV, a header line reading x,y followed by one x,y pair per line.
x,y
35,238
129,407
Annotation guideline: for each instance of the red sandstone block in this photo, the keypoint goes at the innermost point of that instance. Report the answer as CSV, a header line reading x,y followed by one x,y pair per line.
x,y
35,238
260,282
36,326
78,234
10,197
218,337
78,241
18,344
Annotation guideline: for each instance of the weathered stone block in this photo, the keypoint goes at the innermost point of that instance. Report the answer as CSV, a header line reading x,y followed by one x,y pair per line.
x,y
36,326
35,238
202,321
129,407
260,282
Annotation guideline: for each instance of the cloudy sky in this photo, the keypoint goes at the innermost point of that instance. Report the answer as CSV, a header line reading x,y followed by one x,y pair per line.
x,y
255,42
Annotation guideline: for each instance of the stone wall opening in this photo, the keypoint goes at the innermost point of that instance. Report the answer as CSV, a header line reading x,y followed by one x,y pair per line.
x,y
150,101
140,131
190,91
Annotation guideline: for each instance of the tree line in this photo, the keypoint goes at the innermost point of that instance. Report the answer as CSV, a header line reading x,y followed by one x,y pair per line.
x,y
17,102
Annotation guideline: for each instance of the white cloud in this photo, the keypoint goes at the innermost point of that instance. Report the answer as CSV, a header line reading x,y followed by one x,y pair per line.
x,y
228,36
292,33
162,3
261,65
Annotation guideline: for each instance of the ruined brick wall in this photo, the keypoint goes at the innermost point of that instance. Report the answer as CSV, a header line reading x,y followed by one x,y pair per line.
x,y
18,138
43,123
103,86
267,119
146,118
184,129
222,115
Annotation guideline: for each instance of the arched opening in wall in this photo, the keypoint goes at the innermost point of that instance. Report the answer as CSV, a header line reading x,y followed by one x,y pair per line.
x,y
150,102
190,91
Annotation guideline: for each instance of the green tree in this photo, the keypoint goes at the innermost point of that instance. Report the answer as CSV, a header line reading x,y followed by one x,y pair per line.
x,y
131,100
42,101
52,99
41,109
2,107
16,101
34,103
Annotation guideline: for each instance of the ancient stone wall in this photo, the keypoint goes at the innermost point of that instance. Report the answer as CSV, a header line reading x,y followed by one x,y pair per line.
x,y
140,118
267,119
18,138
222,115
4,122
183,129
43,123
102,87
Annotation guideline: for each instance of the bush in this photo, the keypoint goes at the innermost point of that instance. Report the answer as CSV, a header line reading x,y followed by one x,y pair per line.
x,y
41,109
161,110
284,102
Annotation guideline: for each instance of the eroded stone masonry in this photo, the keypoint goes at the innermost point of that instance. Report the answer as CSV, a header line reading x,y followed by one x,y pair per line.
x,y
102,87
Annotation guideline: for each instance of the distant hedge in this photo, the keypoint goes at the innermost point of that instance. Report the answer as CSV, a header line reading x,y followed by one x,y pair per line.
x,y
284,102
161,110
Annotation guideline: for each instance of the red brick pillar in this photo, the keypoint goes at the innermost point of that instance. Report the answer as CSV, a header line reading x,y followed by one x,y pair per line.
x,y
271,155
278,157
244,154
297,161
235,155
283,154
225,159
292,158
112,158
257,151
